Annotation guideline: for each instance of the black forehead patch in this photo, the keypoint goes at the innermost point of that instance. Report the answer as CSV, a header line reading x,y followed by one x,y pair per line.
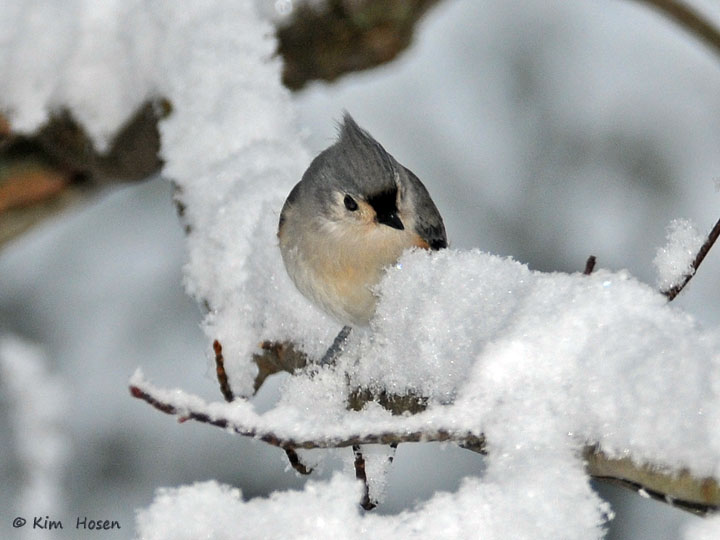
x,y
384,203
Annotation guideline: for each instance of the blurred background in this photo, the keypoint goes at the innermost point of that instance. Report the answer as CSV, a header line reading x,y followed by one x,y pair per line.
x,y
545,130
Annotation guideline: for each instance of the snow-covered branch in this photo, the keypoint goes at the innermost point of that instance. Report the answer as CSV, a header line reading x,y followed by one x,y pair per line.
x,y
204,413
678,488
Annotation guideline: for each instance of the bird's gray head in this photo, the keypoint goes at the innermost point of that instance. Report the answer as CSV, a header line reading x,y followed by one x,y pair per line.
x,y
356,180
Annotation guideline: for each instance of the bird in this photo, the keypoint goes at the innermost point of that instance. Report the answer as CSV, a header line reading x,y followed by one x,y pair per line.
x,y
352,214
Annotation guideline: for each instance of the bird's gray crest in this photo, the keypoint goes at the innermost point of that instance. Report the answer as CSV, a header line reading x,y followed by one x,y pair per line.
x,y
359,163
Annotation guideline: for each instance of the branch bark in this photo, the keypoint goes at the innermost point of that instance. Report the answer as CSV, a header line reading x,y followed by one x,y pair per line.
x,y
690,20
467,440
344,36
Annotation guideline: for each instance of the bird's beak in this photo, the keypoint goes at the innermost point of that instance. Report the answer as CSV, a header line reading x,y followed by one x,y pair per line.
x,y
391,219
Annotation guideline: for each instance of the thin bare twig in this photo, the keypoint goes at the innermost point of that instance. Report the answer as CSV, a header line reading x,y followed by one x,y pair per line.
x,y
690,20
336,348
295,461
589,265
221,374
712,237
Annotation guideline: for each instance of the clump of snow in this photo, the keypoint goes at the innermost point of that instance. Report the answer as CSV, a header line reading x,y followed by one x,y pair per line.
x,y
673,261
541,364
330,510
37,404
233,150
319,511
425,340
94,58
602,352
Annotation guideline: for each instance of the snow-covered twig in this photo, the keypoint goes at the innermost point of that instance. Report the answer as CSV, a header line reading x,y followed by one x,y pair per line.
x,y
712,237
226,390
681,489
466,440
361,474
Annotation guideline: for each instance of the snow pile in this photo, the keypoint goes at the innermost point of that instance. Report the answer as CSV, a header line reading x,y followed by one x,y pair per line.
x,y
37,406
330,511
541,364
95,58
232,149
604,353
673,261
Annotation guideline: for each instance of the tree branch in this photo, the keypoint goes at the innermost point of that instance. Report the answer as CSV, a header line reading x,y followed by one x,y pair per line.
x,y
690,20
343,36
590,265
677,488
361,474
467,440
44,173
700,496
225,389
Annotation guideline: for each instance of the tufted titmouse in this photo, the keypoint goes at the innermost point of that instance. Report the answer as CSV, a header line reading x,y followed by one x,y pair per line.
x,y
352,214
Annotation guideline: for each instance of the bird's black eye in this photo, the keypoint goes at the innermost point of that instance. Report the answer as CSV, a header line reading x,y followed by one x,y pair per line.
x,y
350,203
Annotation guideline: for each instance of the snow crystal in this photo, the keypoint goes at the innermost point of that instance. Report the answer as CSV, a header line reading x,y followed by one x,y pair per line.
x,y
673,261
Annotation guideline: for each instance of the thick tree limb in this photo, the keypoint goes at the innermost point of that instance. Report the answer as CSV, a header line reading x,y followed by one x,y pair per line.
x,y
342,36
677,488
53,169
316,43
57,167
